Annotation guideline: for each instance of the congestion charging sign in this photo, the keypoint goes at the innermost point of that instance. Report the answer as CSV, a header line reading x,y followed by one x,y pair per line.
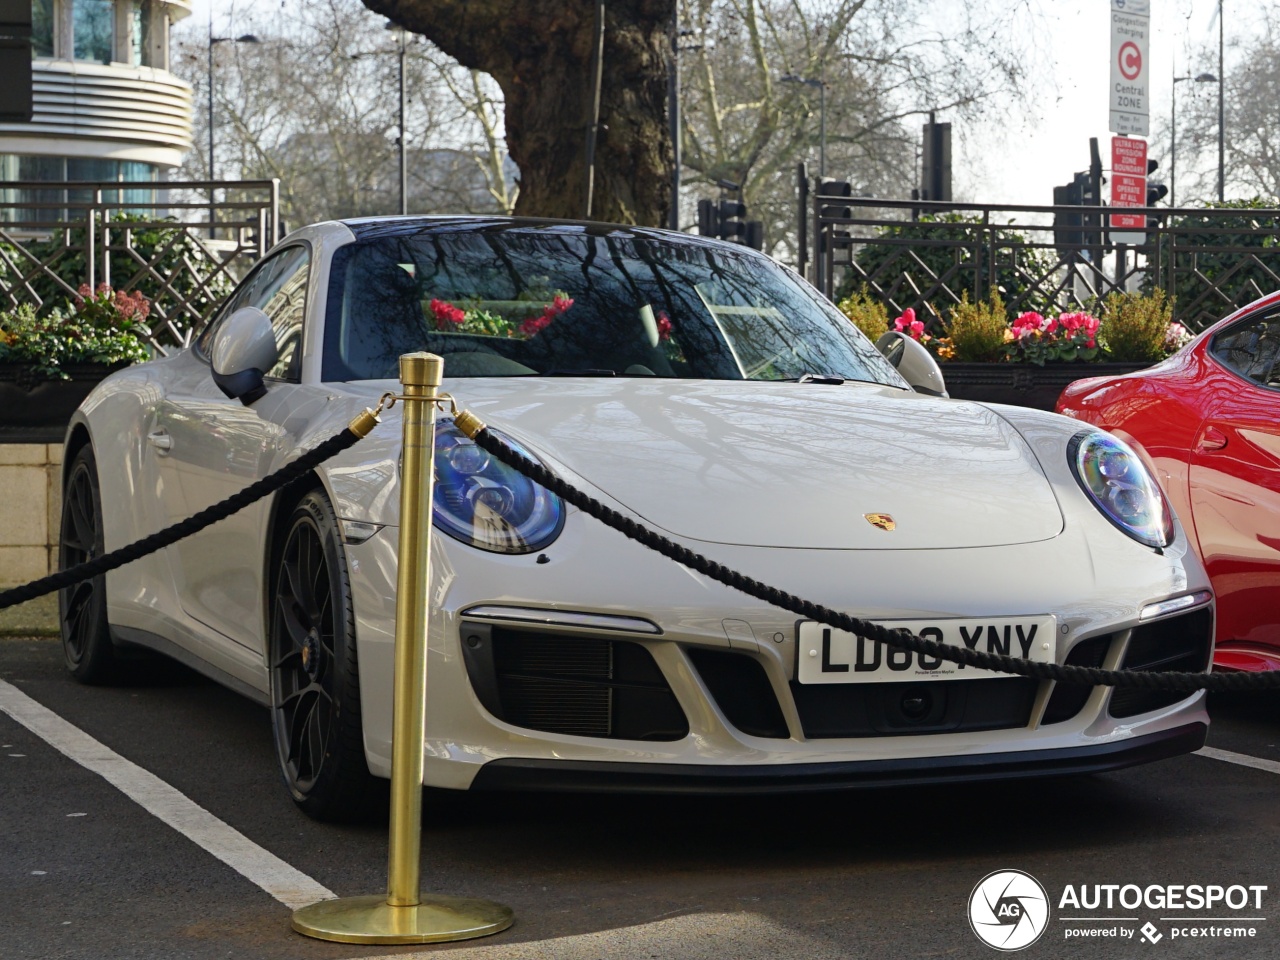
x,y
1130,31
1128,189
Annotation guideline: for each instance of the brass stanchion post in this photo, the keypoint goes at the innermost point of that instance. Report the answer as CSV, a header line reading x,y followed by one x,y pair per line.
x,y
405,915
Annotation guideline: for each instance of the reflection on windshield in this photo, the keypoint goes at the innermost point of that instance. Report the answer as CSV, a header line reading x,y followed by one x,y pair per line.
x,y
530,301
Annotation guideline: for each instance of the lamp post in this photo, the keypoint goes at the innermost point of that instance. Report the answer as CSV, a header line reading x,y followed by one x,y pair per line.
x,y
1173,129
1222,83
402,37
243,38
822,116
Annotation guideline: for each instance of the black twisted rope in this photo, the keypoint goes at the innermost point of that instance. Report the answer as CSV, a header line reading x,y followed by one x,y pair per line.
x,y
171,534
901,638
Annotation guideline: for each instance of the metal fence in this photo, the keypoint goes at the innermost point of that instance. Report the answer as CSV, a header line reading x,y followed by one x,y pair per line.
x,y
183,244
929,255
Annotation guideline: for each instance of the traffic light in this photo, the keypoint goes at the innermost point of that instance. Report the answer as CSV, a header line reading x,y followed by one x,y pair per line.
x,y
1155,190
836,188
731,219
726,220
1066,226
708,218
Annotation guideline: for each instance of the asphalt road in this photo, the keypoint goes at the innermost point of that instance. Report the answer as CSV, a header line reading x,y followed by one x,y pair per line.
x,y
86,872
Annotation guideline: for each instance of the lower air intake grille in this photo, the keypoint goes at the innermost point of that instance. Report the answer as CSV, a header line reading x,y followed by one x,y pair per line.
x,y
742,691
901,709
1068,699
586,686
1175,644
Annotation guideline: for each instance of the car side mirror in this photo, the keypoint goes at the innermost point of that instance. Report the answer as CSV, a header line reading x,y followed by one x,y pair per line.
x,y
243,350
914,362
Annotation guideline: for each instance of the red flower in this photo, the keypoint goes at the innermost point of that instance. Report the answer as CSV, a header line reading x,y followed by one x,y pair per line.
x,y
533,325
446,314
664,325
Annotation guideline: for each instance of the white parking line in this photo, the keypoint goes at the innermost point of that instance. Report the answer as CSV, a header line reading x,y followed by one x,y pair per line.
x,y
291,887
1243,759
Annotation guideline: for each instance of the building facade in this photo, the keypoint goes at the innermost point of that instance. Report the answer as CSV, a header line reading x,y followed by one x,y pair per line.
x,y
106,106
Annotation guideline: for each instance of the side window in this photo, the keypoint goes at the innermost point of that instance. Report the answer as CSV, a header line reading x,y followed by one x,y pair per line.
x,y
277,287
1252,350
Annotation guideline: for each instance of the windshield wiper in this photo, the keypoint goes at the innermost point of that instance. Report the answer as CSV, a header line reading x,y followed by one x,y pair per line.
x,y
818,378
583,372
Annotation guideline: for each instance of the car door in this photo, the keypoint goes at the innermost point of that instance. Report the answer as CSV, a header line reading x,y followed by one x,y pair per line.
x,y
211,446
1235,477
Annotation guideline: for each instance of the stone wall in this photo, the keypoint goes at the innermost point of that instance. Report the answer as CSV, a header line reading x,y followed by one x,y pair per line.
x,y
30,503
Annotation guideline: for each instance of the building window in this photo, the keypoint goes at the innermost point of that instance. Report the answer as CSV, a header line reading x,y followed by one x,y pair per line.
x,y
139,177
91,25
140,33
42,28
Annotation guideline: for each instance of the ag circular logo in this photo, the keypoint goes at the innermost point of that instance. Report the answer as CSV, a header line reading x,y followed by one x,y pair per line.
x,y
1008,910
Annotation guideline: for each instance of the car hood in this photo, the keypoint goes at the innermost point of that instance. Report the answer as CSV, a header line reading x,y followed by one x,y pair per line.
x,y
784,464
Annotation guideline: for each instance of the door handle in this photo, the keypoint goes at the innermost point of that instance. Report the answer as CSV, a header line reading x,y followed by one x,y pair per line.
x,y
161,440
1211,438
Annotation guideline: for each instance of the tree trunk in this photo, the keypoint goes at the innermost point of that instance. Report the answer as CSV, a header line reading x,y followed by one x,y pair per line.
x,y
541,55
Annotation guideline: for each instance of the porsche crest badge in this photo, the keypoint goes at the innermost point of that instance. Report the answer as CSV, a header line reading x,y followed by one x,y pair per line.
x,y
881,520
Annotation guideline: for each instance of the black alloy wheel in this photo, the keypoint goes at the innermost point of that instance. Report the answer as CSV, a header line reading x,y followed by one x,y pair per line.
x,y
82,608
315,686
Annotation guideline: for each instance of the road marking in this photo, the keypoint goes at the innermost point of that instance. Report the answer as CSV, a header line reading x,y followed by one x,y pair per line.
x,y
291,887
1243,759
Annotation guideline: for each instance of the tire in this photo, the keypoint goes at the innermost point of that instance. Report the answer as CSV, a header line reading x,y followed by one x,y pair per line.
x,y
315,683
82,608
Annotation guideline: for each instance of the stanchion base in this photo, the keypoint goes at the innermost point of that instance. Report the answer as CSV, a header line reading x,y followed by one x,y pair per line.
x,y
436,919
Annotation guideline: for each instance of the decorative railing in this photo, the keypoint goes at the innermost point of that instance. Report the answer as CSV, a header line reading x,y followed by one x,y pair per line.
x,y
929,255
167,240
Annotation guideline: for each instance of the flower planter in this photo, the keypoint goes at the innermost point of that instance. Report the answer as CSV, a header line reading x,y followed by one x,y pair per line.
x,y
35,409
1023,384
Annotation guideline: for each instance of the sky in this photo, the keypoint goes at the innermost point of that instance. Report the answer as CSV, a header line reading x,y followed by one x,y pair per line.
x,y
1066,98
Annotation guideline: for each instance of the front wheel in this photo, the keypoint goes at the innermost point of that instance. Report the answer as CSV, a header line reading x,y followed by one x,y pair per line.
x,y
82,608
315,685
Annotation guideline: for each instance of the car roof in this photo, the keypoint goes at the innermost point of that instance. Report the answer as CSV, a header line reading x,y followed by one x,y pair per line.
x,y
372,227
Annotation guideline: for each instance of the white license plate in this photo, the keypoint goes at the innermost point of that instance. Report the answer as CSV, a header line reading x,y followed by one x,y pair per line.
x,y
833,656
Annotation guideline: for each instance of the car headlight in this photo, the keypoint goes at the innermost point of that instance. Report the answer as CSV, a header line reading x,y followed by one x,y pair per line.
x,y
483,502
1121,486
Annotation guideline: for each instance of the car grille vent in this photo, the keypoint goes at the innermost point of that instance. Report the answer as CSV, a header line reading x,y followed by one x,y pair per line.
x,y
584,686
902,709
1068,699
742,691
1175,644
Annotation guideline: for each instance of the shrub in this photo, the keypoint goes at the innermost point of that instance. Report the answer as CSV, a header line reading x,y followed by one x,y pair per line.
x,y
979,331
867,312
1136,326
103,326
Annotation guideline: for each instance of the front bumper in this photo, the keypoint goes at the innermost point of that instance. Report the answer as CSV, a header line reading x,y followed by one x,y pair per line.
x,y
573,776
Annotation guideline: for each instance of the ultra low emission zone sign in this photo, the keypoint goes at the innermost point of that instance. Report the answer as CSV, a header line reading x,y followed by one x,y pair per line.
x,y
1130,29
1128,189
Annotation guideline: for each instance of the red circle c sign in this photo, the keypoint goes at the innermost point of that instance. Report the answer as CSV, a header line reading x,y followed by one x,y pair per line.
x,y
1130,61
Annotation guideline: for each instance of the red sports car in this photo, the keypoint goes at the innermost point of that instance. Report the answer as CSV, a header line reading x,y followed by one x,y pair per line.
x,y
1208,421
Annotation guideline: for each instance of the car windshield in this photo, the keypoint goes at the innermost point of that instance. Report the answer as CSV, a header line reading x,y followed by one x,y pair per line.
x,y
559,301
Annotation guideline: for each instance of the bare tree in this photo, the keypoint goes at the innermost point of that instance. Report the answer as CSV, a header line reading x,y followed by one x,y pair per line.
x,y
316,103
885,65
542,55
1252,134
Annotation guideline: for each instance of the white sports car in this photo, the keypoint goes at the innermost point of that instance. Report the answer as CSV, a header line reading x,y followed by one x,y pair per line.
x,y
703,390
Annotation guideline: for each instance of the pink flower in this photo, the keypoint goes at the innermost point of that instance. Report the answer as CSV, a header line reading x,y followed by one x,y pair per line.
x,y
905,321
559,305
664,325
84,290
917,329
